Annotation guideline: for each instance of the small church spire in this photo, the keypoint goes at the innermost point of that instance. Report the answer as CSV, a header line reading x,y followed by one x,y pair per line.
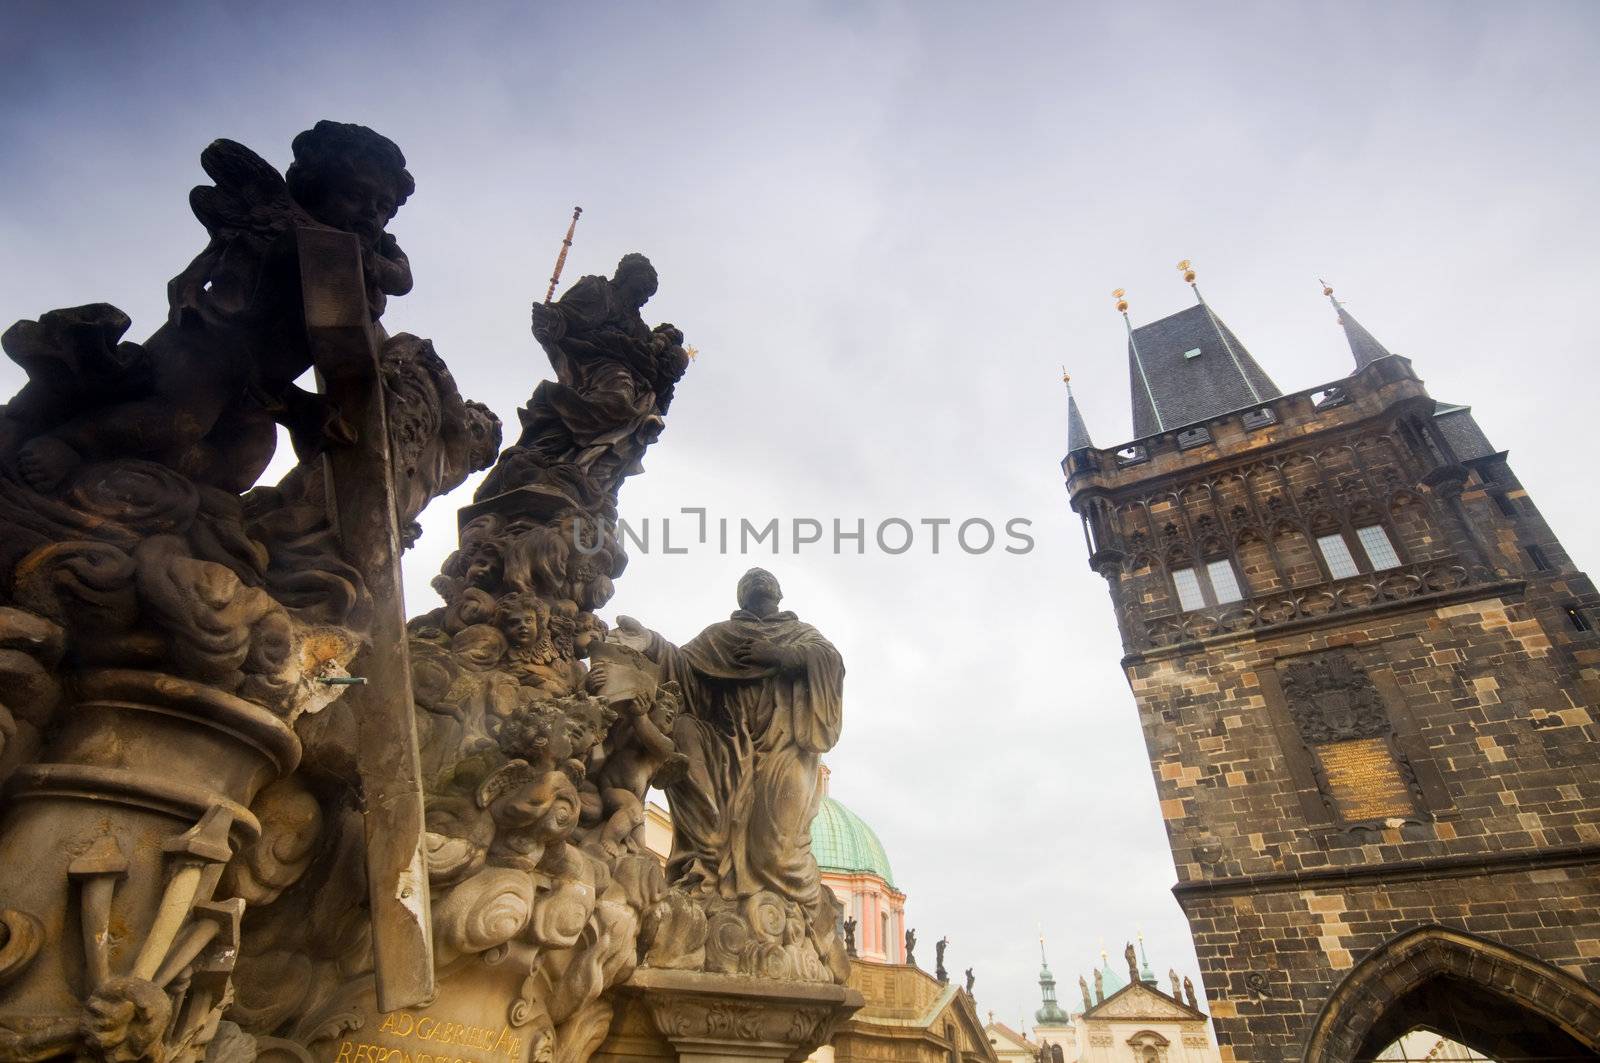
x,y
1077,431
1363,345
1049,1013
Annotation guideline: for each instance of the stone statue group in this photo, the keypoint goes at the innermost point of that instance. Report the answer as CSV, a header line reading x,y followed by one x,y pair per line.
x,y
185,843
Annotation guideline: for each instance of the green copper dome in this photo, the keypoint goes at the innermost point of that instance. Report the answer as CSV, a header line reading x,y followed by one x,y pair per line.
x,y
842,841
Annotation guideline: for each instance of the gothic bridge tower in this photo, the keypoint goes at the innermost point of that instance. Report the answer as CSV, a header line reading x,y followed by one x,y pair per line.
x,y
1367,674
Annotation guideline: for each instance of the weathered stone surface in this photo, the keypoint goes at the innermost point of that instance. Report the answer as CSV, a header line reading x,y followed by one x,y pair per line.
x,y
699,1016
1343,762
165,639
440,855
763,697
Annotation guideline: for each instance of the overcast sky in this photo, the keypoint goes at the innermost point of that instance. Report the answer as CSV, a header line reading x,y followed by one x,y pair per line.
x,y
886,227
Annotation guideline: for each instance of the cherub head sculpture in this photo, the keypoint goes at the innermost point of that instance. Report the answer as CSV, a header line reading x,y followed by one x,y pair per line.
x,y
350,177
523,617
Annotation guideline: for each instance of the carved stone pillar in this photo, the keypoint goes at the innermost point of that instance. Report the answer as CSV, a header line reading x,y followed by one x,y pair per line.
x,y
691,1017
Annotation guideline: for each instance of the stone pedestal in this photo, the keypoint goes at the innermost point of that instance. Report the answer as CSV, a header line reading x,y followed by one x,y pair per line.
x,y
689,1017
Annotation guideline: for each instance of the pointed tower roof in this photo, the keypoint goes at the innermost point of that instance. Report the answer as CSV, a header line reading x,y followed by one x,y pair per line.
x,y
1190,367
1049,1013
1077,431
1363,345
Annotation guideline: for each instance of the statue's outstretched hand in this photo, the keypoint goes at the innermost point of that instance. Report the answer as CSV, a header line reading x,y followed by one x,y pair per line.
x,y
632,634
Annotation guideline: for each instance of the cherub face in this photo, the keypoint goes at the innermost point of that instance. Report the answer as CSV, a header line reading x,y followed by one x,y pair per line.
x,y
483,568
665,710
362,203
521,627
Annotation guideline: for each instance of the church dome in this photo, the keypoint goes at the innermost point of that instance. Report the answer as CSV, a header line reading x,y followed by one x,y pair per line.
x,y
842,841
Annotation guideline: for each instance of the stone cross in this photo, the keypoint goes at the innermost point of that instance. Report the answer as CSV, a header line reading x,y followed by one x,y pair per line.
x,y
361,505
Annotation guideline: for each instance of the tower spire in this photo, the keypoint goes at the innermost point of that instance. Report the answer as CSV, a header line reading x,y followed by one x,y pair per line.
x,y
1049,1013
1189,367
1141,379
1187,269
1363,345
1077,436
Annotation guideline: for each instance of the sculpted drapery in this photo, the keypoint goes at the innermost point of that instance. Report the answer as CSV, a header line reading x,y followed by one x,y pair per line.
x,y
763,700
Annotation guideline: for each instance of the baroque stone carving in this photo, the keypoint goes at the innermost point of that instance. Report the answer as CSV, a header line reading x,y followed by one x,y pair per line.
x,y
182,768
539,740
762,697
1332,699
172,638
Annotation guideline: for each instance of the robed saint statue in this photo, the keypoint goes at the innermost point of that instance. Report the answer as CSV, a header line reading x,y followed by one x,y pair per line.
x,y
763,699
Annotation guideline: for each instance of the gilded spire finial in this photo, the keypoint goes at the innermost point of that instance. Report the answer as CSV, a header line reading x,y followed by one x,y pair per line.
x,y
1066,378
1327,289
561,256
1186,268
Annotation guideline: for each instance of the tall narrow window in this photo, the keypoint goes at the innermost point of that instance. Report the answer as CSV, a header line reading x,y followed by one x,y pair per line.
x,y
1188,585
1380,551
1223,582
1540,562
1336,552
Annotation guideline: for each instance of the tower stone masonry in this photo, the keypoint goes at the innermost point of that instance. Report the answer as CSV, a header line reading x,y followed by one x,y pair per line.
x,y
1366,671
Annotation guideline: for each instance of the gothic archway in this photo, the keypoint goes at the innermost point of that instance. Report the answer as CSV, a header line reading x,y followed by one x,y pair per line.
x,y
1497,1000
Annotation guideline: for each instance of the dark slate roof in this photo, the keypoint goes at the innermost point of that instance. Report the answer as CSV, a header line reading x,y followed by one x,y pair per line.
x,y
1077,432
1461,431
1362,344
1171,390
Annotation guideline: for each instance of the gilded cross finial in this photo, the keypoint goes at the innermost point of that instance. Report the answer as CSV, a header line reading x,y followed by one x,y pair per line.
x,y
1187,269
1121,296
561,256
